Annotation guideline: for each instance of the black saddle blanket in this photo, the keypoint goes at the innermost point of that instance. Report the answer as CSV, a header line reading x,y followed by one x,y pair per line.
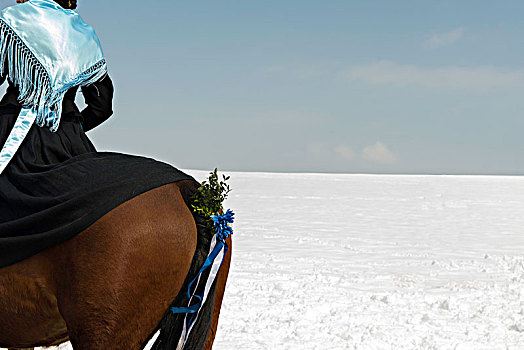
x,y
47,206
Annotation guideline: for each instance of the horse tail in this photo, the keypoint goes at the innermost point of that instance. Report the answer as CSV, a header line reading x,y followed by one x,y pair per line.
x,y
171,326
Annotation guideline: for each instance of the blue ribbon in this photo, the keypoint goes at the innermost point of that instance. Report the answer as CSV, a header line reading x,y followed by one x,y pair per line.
x,y
209,261
222,230
221,224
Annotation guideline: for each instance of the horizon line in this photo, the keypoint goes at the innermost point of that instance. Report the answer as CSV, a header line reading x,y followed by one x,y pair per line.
x,y
354,173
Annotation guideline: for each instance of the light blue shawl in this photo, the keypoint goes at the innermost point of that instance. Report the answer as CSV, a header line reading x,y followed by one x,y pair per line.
x,y
47,50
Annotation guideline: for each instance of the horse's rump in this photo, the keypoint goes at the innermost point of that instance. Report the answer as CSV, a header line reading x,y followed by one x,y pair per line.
x,y
108,286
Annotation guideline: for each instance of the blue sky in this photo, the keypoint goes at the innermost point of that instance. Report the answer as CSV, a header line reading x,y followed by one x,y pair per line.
x,y
316,86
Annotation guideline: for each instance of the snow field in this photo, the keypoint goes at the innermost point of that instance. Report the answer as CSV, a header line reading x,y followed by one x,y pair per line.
x,y
375,262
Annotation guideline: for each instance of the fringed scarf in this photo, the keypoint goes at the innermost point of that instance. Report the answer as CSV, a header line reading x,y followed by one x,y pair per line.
x,y
46,50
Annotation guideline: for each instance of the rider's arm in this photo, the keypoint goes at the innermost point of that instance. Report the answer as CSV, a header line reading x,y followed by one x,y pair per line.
x,y
3,76
99,100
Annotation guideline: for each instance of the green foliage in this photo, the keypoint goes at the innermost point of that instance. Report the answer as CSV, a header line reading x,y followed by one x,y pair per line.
x,y
211,194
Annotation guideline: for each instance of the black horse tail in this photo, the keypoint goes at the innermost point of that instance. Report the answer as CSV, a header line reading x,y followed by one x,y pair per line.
x,y
171,325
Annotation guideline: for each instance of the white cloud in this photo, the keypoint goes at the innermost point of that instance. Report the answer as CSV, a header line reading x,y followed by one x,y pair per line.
x,y
379,153
444,39
391,74
345,152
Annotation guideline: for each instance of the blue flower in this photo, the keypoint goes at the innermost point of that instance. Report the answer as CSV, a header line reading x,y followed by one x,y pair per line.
x,y
221,224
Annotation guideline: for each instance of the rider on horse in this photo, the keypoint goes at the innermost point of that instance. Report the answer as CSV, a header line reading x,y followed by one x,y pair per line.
x,y
70,217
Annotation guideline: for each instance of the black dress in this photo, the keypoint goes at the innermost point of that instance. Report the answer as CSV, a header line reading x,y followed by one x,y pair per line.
x,y
57,184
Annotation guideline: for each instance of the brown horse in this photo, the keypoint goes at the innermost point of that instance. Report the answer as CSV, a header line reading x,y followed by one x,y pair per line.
x,y
109,287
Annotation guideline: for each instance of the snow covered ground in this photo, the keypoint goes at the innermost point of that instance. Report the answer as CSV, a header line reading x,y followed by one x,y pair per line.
x,y
375,262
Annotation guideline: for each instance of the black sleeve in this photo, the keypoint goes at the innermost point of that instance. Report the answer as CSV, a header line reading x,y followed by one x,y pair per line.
x,y
3,76
99,100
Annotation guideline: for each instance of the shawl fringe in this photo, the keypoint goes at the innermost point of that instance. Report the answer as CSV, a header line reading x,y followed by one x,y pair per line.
x,y
33,80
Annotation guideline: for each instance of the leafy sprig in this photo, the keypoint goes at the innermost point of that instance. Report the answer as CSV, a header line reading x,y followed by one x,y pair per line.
x,y
210,195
